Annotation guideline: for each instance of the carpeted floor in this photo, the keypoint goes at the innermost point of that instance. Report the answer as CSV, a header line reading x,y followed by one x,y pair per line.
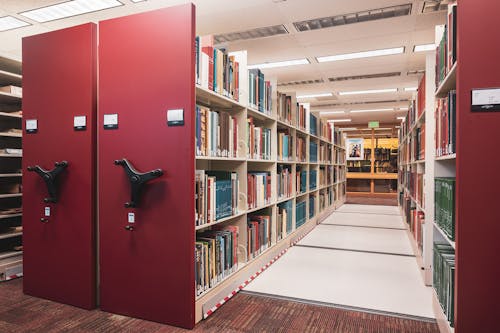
x,y
243,313
364,200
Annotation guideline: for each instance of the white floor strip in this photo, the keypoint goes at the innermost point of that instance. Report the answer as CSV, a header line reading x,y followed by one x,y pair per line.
x,y
359,239
366,220
370,209
362,280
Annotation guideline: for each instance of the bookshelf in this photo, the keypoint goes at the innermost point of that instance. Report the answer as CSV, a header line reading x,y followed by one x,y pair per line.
x,y
296,156
10,169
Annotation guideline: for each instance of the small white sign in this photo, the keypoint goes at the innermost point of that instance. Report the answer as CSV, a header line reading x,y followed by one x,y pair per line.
x,y
80,121
131,217
47,211
110,119
175,117
31,124
486,96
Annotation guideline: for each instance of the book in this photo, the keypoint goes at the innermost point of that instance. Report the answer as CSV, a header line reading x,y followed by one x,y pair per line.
x,y
258,141
284,181
300,214
313,152
285,219
445,118
300,149
284,108
444,205
444,278
259,189
216,133
259,233
284,145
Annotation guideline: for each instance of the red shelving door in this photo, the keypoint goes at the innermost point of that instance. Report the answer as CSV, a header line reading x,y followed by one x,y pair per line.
x,y
146,68
59,83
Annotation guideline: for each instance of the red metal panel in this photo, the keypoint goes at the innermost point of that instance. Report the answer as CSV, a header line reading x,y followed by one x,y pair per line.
x,y
478,180
59,82
146,67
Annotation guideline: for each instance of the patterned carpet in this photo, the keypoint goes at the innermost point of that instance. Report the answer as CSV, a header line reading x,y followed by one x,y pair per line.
x,y
243,313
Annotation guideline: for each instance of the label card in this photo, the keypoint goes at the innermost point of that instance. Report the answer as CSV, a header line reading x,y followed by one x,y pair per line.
x,y
486,100
47,211
80,123
131,217
31,126
175,117
111,121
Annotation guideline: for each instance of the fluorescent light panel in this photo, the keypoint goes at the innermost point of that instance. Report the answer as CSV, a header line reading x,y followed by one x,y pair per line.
x,y
315,95
371,110
373,91
424,47
400,118
10,22
403,109
277,64
339,120
360,55
346,129
411,89
324,113
68,9
383,129
137,0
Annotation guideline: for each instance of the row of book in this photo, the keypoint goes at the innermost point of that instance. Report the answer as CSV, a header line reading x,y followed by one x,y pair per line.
x,y
313,176
446,122
338,138
444,198
313,124
444,279
301,178
415,219
284,179
259,189
300,149
259,229
216,133
284,108
409,121
300,213
446,52
216,195
313,152
340,156
301,114
325,130
285,152
414,182
326,198
216,256
326,175
285,218
215,69
259,91
325,153
258,141
414,149
312,206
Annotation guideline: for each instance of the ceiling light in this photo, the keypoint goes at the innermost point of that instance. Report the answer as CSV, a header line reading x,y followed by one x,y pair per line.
x,y
372,110
280,64
316,95
348,129
359,55
415,72
400,118
68,9
383,129
339,120
324,113
374,91
137,0
402,109
397,126
424,47
411,89
10,22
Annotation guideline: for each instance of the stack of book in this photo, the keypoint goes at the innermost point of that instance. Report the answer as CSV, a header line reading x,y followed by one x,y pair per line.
x,y
284,108
216,133
284,145
445,205
216,256
444,279
216,195
285,219
284,180
216,70
259,189
258,234
300,214
446,53
446,122
313,152
300,149
259,91
258,141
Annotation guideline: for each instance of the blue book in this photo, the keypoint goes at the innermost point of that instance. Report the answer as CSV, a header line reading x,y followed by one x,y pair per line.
x,y
285,146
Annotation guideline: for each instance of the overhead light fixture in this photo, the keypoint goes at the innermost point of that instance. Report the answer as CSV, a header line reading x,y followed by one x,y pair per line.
x,y
277,64
68,9
10,22
397,126
346,129
373,91
400,118
360,55
137,0
371,110
324,113
315,95
383,129
403,109
339,120
424,47
411,89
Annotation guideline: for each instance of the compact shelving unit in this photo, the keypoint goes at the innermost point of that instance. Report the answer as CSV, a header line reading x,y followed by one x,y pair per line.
x,y
10,171
333,187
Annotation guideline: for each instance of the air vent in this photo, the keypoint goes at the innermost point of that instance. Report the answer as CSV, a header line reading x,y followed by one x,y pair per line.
x,y
303,82
362,77
365,16
416,72
251,34
434,6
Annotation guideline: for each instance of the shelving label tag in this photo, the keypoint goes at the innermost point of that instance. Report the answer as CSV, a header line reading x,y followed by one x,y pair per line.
x,y
175,117
80,123
47,211
31,126
131,217
486,100
111,121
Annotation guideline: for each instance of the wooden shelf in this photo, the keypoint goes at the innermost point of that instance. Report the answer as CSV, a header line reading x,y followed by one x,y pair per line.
x,y
10,115
251,210
213,158
210,98
11,135
446,157
259,115
367,175
8,78
285,199
229,218
6,235
260,161
10,216
10,254
6,98
449,82
285,162
450,242
10,195
11,155
11,65
10,175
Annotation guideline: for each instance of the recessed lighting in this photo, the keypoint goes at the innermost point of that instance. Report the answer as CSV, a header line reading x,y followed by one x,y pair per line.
x,y
10,22
400,118
348,129
324,113
424,47
284,63
411,89
360,55
68,9
371,110
315,95
373,91
339,120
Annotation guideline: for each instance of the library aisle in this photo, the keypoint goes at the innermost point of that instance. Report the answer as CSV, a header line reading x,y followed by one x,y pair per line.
x,y
359,258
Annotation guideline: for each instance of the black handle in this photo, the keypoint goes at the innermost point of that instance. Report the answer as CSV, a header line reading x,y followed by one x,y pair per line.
x,y
50,178
137,180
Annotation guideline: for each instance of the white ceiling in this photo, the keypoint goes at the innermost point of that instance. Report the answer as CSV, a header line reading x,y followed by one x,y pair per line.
x,y
223,16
